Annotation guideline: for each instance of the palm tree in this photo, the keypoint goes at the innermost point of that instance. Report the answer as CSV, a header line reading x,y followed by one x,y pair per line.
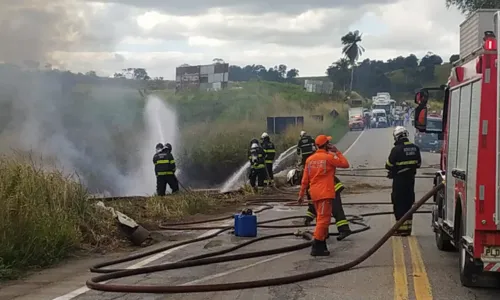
x,y
352,50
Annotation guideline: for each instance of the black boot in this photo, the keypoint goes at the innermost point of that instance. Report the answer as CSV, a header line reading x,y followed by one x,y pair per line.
x,y
344,232
324,248
319,248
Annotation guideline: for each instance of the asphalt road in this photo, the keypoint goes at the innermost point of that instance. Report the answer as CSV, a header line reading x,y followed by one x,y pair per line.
x,y
404,268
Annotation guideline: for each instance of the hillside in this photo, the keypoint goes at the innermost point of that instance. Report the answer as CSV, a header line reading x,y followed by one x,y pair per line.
x,y
441,74
217,126
397,78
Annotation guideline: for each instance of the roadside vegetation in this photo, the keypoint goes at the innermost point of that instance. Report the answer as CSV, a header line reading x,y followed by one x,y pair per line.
x,y
47,216
218,126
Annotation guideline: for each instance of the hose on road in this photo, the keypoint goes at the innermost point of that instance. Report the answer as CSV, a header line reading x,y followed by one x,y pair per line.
x,y
97,283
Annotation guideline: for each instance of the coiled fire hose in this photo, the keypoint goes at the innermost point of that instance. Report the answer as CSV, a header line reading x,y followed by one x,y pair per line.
x,y
97,283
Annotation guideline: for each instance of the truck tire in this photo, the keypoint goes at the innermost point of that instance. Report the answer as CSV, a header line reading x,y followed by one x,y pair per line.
x,y
469,273
443,241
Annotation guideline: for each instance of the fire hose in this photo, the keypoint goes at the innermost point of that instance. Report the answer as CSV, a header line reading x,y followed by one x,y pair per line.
x,y
98,282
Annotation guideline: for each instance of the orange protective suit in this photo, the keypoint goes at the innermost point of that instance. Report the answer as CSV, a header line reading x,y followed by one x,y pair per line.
x,y
319,172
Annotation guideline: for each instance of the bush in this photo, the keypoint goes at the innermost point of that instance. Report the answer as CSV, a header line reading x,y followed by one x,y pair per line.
x,y
44,216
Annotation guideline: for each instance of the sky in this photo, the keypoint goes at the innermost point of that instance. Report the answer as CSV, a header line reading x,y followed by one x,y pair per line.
x,y
108,35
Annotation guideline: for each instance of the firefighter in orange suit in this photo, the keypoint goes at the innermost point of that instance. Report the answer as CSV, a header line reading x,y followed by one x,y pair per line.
x,y
319,174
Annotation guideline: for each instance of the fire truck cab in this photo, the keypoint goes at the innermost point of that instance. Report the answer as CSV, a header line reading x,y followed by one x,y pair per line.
x,y
466,213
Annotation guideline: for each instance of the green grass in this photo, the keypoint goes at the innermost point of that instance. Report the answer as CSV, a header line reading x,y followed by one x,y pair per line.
x,y
46,216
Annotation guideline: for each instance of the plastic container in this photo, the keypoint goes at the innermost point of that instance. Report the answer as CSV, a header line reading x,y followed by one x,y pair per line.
x,y
245,225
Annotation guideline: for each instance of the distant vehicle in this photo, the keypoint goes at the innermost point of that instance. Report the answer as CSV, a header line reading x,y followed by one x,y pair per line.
x,y
355,112
428,141
379,118
356,123
356,102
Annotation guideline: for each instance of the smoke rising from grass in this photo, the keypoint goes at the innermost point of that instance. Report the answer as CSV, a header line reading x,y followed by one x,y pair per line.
x,y
88,126
88,129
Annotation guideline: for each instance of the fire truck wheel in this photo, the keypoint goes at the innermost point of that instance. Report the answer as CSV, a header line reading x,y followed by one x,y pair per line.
x,y
443,242
469,273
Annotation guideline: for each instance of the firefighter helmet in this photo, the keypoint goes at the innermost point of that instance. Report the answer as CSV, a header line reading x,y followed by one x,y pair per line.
x,y
254,146
302,133
264,135
168,147
159,147
400,132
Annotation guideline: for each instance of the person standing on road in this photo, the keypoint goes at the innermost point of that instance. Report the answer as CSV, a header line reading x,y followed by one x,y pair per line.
x,y
270,151
256,157
318,177
402,164
305,147
165,169
367,120
337,212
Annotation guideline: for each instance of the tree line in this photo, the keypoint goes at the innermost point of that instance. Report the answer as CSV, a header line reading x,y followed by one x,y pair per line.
x,y
399,75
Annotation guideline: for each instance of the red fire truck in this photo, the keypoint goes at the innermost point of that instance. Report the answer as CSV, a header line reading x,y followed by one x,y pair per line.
x,y
466,214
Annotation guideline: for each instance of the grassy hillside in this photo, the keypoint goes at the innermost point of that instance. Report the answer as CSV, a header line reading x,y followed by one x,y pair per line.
x,y
217,126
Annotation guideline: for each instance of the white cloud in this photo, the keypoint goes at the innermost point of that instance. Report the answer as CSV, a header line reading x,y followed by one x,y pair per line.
x,y
109,37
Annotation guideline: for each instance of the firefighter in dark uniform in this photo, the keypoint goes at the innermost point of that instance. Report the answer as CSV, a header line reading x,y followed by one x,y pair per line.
x,y
270,151
258,174
402,165
165,169
305,147
337,212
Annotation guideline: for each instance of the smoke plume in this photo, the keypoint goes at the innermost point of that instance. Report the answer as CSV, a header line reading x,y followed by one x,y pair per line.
x,y
91,126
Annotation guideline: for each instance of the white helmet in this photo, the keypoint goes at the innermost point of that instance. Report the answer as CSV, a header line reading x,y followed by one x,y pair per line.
x,y
254,145
302,133
400,132
264,135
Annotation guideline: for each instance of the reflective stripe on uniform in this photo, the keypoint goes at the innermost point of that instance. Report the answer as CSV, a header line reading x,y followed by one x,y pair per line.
x,y
389,163
310,214
261,166
338,186
164,161
165,173
268,161
342,223
270,150
405,163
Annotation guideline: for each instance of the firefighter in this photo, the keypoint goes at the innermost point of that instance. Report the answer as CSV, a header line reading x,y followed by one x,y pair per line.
x,y
337,212
318,177
402,165
270,151
305,147
165,169
256,156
